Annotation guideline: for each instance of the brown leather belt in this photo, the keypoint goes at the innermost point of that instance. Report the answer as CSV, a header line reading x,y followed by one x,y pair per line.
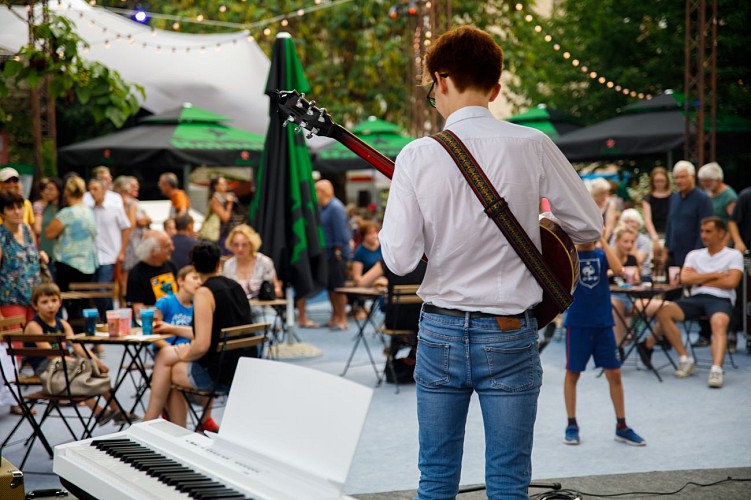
x,y
505,323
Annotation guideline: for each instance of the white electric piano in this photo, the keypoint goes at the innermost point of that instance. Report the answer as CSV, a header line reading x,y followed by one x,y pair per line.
x,y
287,432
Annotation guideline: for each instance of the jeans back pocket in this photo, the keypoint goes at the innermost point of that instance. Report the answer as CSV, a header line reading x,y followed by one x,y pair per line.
x,y
432,367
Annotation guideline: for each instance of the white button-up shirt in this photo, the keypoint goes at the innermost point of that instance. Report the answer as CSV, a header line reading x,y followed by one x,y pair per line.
x,y
432,210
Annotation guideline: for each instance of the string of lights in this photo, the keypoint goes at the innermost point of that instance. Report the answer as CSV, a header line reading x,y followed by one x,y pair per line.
x,y
148,38
594,75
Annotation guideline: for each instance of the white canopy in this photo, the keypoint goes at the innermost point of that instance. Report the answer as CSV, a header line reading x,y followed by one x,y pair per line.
x,y
225,74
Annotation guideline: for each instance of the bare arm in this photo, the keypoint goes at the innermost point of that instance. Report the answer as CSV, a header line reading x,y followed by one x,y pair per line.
x,y
736,235
203,315
54,229
369,278
223,213
727,280
613,262
185,332
357,268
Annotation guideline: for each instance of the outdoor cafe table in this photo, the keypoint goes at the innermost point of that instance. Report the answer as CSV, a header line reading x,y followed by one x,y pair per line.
x,y
640,297
132,358
364,294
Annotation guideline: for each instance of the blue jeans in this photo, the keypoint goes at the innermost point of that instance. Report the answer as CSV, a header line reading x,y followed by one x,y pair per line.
x,y
104,274
455,357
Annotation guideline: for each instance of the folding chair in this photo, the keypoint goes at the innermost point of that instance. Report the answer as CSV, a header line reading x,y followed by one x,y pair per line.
x,y
691,326
237,337
400,324
27,401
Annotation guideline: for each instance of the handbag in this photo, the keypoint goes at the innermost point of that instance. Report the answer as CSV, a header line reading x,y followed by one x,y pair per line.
x,y
84,378
266,292
210,228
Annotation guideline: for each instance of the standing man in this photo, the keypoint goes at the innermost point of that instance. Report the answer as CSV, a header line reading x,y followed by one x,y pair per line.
x,y
111,198
336,234
169,186
111,238
183,241
688,206
477,331
739,224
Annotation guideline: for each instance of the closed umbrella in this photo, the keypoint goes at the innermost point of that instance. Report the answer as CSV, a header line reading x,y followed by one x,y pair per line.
x,y
284,208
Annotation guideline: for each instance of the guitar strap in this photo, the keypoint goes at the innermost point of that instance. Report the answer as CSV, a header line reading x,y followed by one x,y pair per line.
x,y
498,210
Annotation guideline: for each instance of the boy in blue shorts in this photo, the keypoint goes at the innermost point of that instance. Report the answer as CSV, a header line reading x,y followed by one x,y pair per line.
x,y
589,333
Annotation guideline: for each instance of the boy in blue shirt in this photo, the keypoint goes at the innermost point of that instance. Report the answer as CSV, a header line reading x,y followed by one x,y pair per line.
x,y
589,333
173,313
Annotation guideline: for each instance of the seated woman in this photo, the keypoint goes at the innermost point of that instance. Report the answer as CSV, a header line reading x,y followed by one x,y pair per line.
x,y
196,364
248,266
624,241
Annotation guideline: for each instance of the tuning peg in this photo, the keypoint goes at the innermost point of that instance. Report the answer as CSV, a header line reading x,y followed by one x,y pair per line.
x,y
309,135
298,128
284,123
321,114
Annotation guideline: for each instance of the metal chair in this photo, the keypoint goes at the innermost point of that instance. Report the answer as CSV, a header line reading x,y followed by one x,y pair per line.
x,y
237,337
691,327
400,324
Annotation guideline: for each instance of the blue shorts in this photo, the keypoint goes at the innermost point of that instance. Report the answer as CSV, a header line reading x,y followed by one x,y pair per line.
x,y
704,304
598,343
199,377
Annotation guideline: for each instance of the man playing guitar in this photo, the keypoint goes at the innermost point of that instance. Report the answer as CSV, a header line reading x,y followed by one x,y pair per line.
x,y
477,330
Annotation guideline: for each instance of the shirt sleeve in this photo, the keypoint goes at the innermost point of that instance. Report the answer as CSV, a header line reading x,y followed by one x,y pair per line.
x,y
402,239
122,219
569,198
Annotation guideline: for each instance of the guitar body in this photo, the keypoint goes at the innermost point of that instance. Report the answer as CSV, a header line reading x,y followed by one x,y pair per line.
x,y
560,257
558,251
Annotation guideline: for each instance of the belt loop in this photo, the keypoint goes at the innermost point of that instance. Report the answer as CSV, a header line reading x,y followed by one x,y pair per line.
x,y
526,317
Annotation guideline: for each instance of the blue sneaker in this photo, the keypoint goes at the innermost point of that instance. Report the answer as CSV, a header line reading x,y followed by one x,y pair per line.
x,y
628,436
572,435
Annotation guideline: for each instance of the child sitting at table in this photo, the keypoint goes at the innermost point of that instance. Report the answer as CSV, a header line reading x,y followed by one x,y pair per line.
x,y
173,313
589,333
46,301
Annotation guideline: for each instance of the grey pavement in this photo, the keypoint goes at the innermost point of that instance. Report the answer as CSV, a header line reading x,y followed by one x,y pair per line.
x,y
687,425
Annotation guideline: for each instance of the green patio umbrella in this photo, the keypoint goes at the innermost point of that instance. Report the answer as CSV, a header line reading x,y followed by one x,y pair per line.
x,y
186,136
549,121
386,137
284,209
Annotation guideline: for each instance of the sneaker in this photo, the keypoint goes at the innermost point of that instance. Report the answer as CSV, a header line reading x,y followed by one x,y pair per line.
x,y
645,353
715,379
572,435
701,342
628,436
685,368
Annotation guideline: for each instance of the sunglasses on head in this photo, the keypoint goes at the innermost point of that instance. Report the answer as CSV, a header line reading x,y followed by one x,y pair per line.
x,y
11,179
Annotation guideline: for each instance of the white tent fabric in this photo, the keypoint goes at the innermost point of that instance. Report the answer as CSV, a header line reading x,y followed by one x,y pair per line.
x,y
225,74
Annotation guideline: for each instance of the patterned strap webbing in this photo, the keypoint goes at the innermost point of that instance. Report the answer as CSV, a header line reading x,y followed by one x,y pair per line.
x,y
498,210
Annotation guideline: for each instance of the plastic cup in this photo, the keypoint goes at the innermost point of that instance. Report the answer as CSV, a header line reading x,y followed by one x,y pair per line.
x,y
147,321
113,323
124,321
629,273
90,317
674,274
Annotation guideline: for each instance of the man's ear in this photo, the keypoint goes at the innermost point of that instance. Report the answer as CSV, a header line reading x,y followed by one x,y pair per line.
x,y
495,92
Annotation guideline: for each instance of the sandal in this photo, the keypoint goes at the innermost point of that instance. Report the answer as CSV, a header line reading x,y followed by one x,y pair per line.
x,y
104,416
17,410
310,324
119,417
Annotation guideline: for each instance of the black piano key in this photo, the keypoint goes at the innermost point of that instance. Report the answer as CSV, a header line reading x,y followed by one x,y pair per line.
x,y
193,486
205,493
185,478
167,469
215,493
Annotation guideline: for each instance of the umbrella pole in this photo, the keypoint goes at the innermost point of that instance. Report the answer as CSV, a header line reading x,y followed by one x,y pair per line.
x,y
292,337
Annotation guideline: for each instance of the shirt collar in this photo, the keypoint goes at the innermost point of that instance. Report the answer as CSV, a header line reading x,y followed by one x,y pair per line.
x,y
466,113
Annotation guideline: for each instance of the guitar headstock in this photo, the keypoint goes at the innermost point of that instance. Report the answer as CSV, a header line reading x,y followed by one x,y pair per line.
x,y
296,109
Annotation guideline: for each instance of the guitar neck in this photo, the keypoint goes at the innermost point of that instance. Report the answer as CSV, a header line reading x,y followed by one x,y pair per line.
x,y
380,162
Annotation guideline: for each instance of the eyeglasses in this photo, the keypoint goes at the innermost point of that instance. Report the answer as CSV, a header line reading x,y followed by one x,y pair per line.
x,y
431,98
11,179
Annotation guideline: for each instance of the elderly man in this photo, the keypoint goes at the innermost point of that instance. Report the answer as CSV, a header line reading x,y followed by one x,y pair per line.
x,y
155,274
11,181
169,186
112,227
336,234
713,273
688,206
723,197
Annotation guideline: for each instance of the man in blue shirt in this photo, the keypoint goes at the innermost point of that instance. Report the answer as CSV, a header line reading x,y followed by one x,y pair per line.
x,y
336,235
688,206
